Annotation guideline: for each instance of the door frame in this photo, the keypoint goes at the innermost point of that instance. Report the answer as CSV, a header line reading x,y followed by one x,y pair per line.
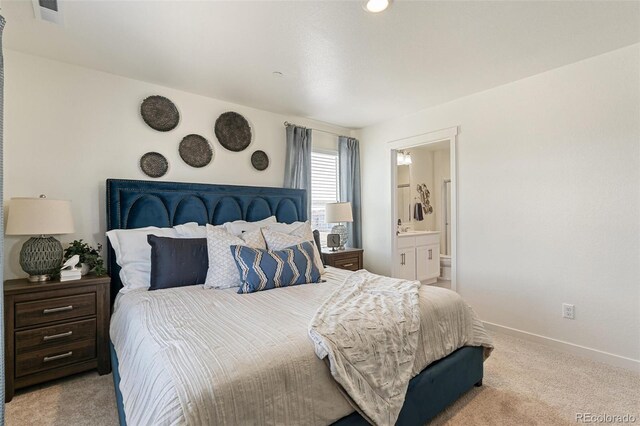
x,y
449,134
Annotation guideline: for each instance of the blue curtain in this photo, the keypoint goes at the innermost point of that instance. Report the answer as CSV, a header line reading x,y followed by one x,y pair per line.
x,y
2,22
350,190
297,171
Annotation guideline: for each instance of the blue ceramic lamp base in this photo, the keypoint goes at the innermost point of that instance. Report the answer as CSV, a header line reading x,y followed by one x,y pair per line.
x,y
41,257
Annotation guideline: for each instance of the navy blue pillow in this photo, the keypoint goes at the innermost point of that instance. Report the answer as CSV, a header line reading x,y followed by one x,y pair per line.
x,y
177,262
266,269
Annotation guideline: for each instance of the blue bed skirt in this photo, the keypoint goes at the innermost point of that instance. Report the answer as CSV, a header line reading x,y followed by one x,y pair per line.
x,y
430,392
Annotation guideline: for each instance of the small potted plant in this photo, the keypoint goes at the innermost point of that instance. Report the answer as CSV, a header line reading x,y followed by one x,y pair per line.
x,y
90,258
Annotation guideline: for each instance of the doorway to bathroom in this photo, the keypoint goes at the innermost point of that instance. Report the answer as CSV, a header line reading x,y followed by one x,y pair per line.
x,y
423,198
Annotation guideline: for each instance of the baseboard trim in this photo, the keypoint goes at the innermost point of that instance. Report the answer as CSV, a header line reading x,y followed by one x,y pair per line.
x,y
593,354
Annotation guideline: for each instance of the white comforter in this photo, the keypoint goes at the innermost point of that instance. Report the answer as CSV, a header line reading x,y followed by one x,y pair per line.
x,y
194,356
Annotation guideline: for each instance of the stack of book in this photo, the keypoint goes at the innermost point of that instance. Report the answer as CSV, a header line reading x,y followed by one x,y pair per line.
x,y
70,275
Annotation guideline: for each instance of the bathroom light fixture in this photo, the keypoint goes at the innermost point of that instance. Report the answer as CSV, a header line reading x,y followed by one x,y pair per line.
x,y
403,158
376,6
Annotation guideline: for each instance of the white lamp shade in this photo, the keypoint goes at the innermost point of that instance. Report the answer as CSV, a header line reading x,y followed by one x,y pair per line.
x,y
39,216
338,212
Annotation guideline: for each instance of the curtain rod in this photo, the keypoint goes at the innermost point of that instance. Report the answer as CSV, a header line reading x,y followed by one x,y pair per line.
x,y
287,124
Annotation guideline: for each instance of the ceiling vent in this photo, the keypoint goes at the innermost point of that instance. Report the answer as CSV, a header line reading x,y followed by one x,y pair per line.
x,y
48,10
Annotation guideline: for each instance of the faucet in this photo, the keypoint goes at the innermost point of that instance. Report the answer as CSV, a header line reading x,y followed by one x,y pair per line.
x,y
401,228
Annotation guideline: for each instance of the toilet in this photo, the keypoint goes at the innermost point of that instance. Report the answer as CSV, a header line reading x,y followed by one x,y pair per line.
x,y
445,267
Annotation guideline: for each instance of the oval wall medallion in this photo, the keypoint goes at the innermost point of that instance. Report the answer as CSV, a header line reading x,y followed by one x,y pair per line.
x,y
159,113
233,131
195,150
260,160
154,164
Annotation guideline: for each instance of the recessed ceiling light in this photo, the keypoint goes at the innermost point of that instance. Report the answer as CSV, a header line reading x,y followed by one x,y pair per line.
x,y
375,6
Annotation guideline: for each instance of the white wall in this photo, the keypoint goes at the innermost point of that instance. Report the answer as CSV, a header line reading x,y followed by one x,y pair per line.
x,y
68,128
548,201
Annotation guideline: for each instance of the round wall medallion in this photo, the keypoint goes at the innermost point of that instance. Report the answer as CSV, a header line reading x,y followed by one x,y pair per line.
x,y
159,113
233,131
154,164
195,150
259,160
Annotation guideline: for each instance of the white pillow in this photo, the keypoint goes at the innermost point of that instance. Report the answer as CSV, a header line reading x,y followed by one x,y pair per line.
x,y
191,230
223,272
133,252
299,232
289,228
239,226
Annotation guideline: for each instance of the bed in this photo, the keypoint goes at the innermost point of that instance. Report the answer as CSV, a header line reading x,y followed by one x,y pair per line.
x,y
146,325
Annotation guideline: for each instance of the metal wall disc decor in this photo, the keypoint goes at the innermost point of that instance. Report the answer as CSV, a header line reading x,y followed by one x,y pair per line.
x,y
195,150
154,164
233,131
260,160
159,113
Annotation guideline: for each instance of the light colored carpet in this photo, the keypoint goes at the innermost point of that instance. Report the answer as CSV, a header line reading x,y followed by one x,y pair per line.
x,y
524,383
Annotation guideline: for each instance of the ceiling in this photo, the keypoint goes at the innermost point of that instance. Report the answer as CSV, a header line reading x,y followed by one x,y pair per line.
x,y
341,65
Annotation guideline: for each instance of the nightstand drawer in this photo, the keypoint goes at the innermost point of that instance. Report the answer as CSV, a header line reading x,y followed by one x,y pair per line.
x,y
349,263
57,356
349,259
60,308
46,337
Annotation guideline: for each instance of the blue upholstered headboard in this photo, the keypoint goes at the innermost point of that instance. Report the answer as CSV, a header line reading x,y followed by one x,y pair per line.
x,y
136,203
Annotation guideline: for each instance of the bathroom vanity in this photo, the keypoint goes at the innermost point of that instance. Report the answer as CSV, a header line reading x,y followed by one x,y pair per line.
x,y
418,256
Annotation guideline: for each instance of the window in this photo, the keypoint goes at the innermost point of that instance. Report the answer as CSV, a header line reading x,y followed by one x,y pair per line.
x,y
324,189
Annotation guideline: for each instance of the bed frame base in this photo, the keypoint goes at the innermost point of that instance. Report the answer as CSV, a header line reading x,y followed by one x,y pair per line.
x,y
435,388
116,384
430,392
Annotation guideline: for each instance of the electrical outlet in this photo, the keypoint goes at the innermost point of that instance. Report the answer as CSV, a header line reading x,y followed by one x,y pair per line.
x,y
568,311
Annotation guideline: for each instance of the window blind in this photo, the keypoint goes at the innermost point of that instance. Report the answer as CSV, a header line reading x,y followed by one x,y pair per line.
x,y
324,187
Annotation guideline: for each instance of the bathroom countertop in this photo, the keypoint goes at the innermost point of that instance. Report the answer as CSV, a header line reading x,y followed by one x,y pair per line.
x,y
416,233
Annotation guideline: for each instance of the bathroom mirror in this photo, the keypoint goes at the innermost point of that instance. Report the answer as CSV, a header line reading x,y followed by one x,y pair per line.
x,y
403,194
404,203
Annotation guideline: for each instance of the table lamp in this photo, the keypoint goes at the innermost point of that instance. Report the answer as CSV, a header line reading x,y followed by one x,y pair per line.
x,y
339,213
41,255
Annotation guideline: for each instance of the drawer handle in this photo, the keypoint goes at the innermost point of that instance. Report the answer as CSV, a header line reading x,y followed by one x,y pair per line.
x,y
57,336
60,309
430,254
55,357
346,265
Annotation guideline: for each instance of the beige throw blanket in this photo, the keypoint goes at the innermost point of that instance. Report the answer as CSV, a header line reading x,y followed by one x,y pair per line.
x,y
369,328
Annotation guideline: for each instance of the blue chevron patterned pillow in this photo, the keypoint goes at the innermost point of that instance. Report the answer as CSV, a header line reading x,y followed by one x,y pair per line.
x,y
267,269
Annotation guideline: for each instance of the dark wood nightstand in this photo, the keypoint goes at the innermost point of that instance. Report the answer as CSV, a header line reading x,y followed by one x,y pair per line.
x,y
349,258
55,329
